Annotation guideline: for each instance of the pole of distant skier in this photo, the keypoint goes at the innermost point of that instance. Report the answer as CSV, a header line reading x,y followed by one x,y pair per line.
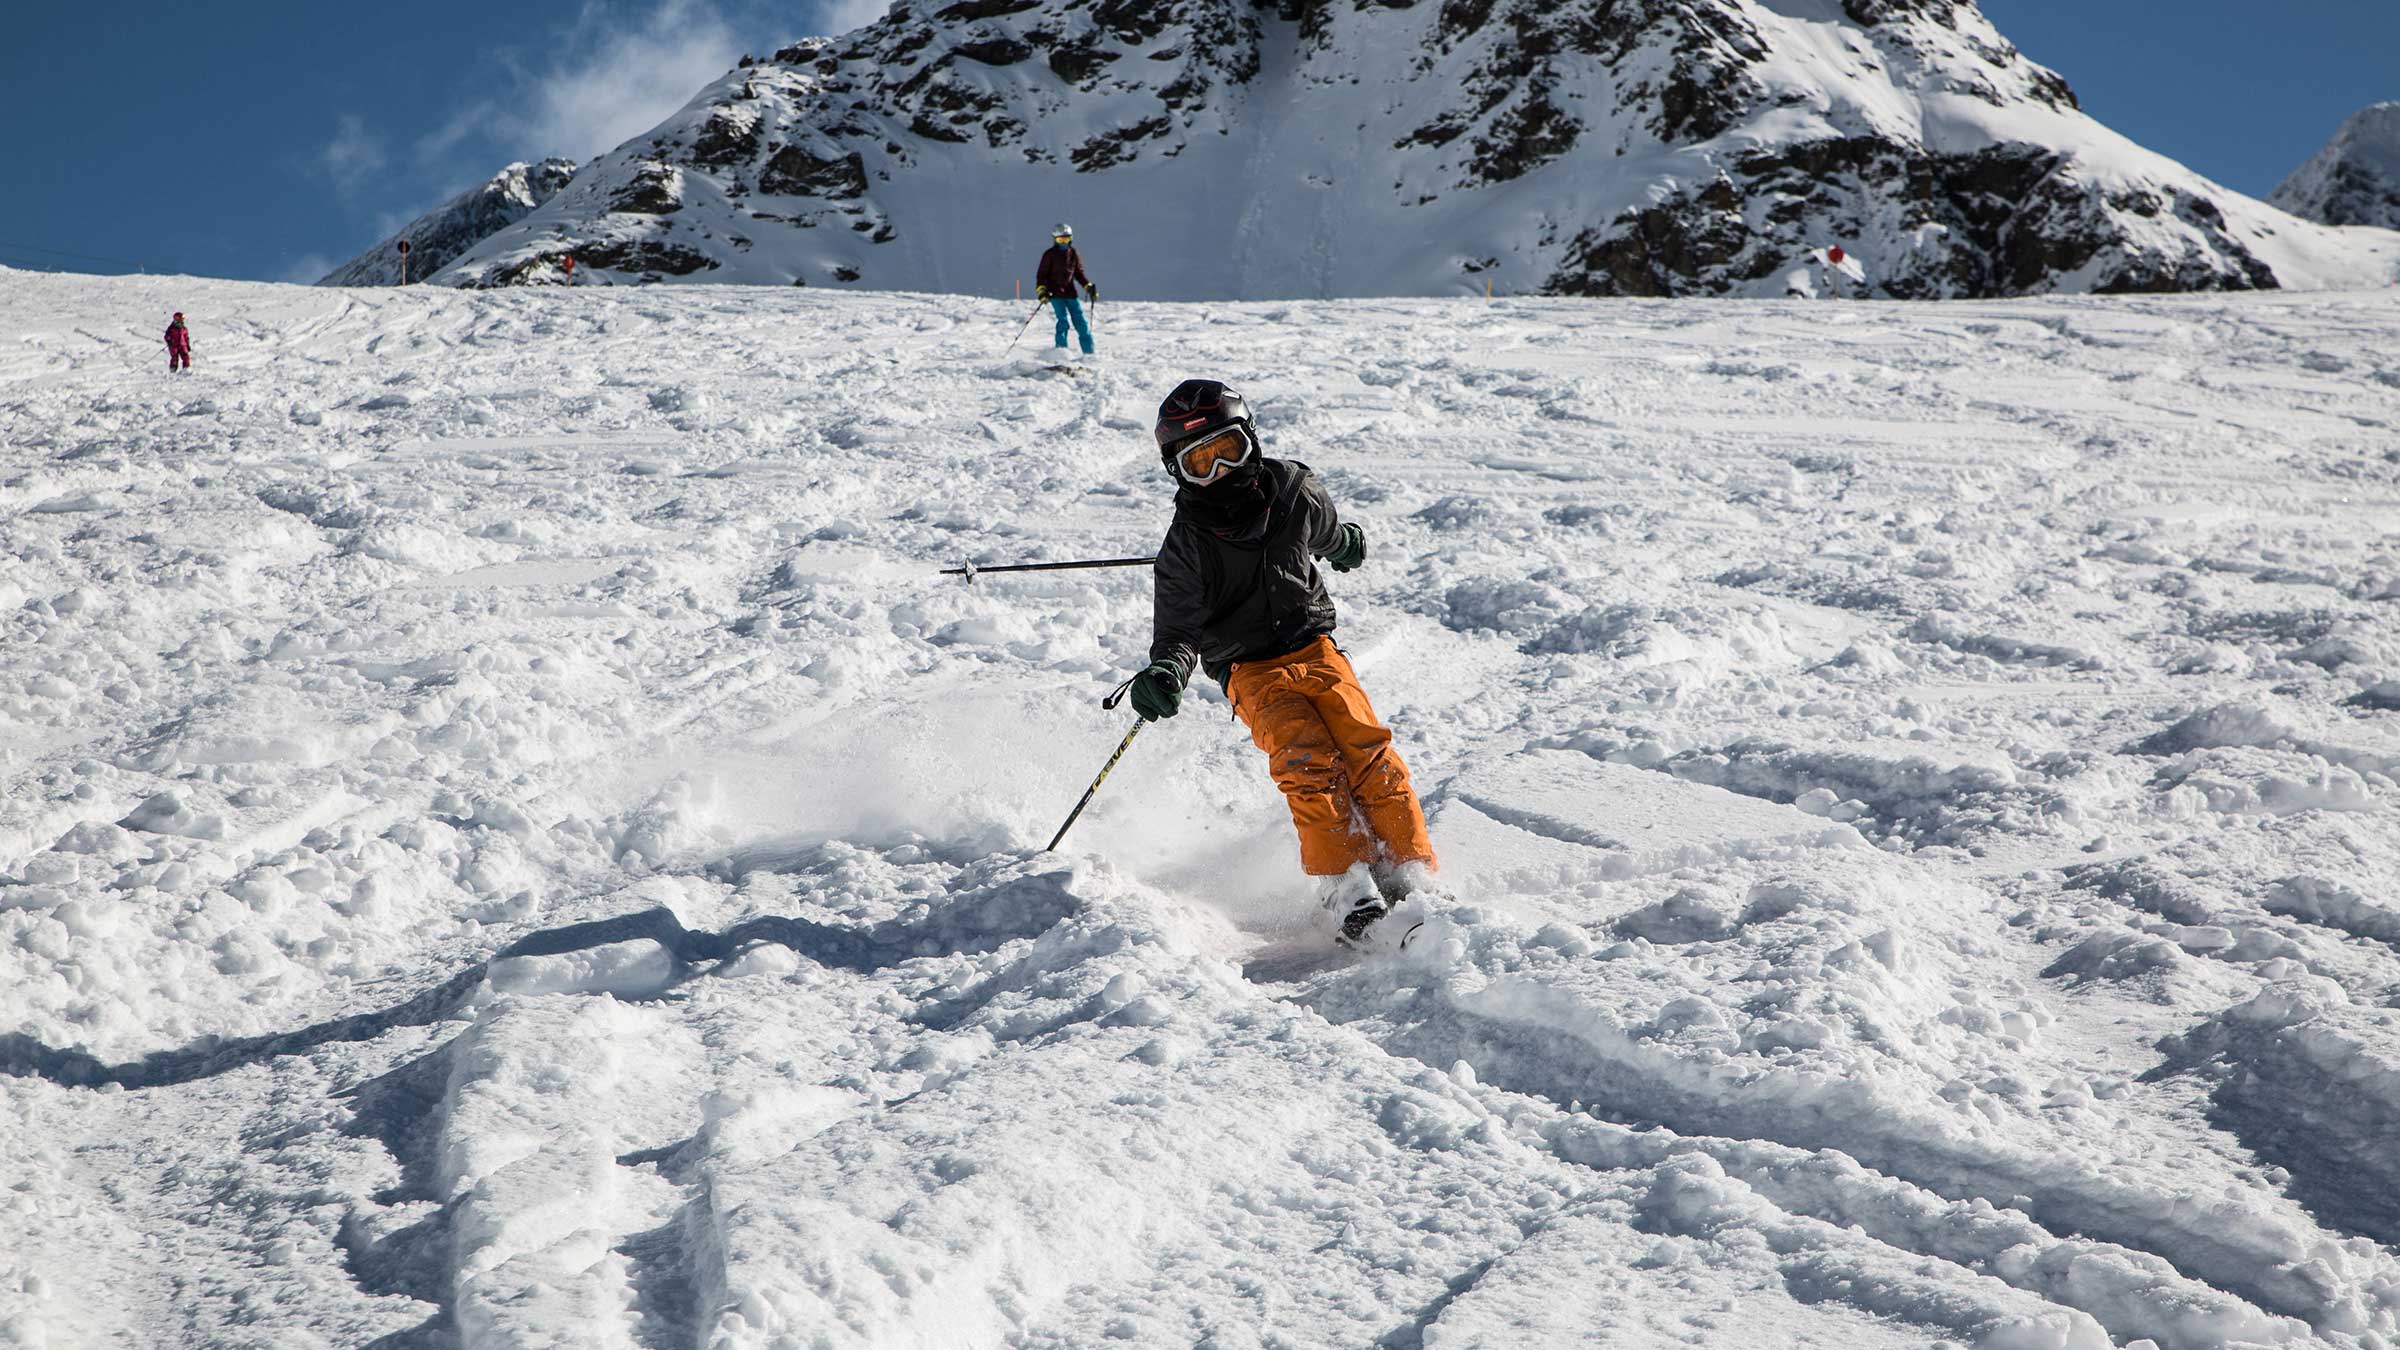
x,y
1020,337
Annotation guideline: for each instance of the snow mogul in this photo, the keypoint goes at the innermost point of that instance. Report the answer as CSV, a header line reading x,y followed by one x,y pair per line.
x,y
1055,281
1238,595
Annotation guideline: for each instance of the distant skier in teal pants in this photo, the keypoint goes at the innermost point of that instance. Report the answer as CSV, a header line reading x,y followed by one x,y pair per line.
x,y
1055,280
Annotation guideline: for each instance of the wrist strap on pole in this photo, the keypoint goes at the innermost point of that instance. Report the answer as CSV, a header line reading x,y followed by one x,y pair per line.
x,y
1110,703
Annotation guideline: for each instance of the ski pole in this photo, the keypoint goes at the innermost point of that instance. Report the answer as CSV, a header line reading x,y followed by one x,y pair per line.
x,y
1094,789
1020,337
970,571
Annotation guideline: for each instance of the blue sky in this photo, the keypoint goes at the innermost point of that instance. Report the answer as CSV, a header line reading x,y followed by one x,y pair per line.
x,y
274,139
2242,92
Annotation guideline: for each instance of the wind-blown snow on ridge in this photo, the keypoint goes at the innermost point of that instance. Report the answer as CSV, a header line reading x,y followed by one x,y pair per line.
x,y
504,838
443,233
1226,148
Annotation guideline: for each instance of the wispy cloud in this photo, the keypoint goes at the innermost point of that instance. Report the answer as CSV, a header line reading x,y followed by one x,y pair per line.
x,y
353,156
440,145
608,76
610,73
307,270
840,16
598,80
389,223
610,81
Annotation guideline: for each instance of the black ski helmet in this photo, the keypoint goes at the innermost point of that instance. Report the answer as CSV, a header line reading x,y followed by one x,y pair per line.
x,y
1196,408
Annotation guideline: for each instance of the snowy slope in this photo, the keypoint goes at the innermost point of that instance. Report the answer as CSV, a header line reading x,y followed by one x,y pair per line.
x,y
446,231
1232,148
2355,179
505,840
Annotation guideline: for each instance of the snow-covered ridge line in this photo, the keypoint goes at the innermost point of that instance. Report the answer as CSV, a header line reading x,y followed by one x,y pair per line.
x,y
1244,149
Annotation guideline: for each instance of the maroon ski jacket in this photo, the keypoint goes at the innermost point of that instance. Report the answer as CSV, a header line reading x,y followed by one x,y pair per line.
x,y
179,339
1061,268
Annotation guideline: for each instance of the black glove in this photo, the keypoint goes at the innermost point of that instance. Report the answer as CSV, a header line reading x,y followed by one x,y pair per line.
x,y
1091,292
1351,551
1040,293
1158,691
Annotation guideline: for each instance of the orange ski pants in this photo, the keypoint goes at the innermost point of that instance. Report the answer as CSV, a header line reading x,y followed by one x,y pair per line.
x,y
1349,793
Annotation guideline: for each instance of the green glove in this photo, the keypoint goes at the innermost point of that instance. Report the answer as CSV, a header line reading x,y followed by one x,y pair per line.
x,y
1351,551
1158,691
1092,291
1040,293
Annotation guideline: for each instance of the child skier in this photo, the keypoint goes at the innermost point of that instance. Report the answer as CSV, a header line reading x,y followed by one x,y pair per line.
x,y
1061,268
179,344
1238,594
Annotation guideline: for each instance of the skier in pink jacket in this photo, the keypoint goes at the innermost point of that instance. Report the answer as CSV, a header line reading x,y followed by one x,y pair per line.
x,y
179,344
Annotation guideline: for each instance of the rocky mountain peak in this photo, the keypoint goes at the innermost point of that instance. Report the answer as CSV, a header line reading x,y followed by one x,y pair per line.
x,y
1277,148
2355,179
448,230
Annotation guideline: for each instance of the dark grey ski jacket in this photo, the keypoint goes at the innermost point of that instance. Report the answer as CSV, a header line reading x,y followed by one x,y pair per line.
x,y
1221,600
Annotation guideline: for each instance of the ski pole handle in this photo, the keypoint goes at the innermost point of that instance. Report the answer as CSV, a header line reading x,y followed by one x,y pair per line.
x,y
1094,789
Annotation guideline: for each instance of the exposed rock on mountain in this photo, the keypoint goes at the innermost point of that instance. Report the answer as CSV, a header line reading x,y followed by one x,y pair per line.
x,y
1282,148
448,230
2355,179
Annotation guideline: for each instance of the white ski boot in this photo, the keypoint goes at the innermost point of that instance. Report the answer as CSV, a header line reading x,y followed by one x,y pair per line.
x,y
1353,903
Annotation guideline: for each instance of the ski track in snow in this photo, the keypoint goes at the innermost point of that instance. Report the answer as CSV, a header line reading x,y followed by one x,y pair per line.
x,y
505,840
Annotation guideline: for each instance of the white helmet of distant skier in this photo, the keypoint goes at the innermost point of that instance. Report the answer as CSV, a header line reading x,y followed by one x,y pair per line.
x,y
1062,232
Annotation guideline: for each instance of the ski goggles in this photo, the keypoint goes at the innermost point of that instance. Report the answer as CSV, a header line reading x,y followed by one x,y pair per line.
x,y
1208,458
